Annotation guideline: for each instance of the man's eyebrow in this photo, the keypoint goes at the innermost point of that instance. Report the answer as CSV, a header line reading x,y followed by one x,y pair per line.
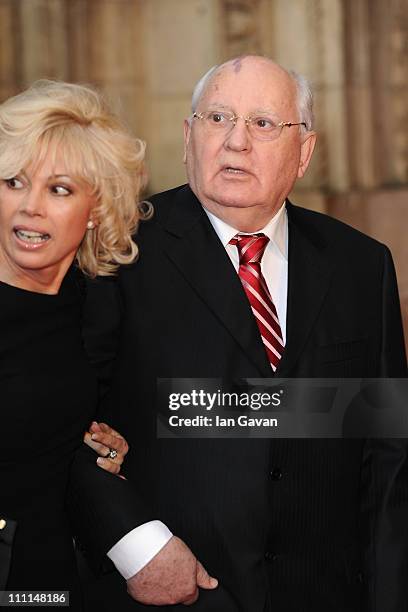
x,y
265,111
220,106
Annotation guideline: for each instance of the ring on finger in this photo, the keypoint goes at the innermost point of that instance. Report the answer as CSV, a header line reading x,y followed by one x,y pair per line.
x,y
112,454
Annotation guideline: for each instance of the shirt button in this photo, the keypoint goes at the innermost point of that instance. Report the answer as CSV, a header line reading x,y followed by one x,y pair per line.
x,y
276,474
270,556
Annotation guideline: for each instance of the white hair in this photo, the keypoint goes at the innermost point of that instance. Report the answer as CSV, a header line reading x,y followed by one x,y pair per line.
x,y
201,86
304,100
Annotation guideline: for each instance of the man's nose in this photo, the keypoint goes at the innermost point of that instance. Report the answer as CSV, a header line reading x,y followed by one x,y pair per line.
x,y
239,139
33,203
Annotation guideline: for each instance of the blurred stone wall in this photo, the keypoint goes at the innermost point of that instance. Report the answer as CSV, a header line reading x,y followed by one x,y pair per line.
x,y
147,55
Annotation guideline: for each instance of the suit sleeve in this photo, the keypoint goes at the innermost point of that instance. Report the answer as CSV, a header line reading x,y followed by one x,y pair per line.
x,y
393,361
102,507
101,318
386,467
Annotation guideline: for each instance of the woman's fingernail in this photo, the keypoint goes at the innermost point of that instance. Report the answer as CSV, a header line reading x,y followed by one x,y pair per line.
x,y
100,461
94,436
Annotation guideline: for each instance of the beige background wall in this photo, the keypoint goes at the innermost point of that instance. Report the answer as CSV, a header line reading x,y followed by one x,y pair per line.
x,y
147,54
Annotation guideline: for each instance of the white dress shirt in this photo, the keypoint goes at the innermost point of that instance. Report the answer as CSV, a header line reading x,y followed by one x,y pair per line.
x,y
140,545
274,263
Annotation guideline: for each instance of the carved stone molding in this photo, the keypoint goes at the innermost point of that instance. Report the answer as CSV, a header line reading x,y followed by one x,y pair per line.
x,y
399,84
239,27
10,40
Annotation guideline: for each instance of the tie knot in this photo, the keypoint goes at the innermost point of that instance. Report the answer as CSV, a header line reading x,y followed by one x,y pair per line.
x,y
250,247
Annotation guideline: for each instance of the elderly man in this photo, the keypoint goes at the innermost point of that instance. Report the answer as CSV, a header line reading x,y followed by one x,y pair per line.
x,y
235,281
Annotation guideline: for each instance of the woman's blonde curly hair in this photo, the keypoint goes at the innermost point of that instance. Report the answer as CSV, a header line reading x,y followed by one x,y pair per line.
x,y
75,123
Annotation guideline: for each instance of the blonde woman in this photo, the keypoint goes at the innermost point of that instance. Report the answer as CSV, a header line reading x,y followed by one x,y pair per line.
x,y
70,179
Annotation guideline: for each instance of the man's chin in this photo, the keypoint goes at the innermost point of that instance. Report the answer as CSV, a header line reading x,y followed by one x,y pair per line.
x,y
240,201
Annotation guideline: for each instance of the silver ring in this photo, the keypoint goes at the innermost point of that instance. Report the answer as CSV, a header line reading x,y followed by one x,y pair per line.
x,y
112,454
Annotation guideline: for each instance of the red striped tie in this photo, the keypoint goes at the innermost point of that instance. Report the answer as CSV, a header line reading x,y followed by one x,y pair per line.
x,y
251,247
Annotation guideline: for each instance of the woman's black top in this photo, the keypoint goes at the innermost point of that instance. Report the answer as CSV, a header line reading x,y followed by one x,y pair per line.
x,y
48,397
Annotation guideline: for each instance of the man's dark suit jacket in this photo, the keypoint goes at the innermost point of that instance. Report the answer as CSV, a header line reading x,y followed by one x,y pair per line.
x,y
285,525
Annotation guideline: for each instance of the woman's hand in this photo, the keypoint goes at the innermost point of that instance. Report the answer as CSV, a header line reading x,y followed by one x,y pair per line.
x,y
109,444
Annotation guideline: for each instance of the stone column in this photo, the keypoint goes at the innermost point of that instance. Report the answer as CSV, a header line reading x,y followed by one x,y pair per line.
x,y
307,36
43,40
10,67
107,42
181,43
360,116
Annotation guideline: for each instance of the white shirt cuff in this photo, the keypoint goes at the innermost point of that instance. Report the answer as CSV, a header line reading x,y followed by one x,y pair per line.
x,y
138,547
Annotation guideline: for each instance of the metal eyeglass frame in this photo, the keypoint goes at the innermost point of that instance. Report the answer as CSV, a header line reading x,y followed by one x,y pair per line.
x,y
248,121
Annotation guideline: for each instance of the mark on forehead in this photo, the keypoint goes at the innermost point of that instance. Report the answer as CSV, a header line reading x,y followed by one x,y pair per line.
x,y
237,64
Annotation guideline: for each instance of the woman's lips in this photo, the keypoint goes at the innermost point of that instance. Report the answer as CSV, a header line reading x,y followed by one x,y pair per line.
x,y
31,238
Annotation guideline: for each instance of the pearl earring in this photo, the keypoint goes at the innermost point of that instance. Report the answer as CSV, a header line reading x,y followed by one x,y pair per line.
x,y
90,225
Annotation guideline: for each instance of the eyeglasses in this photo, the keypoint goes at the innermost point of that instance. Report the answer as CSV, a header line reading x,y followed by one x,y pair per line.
x,y
260,127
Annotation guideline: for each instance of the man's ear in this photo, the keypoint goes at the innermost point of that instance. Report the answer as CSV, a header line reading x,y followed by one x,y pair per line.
x,y
306,152
187,132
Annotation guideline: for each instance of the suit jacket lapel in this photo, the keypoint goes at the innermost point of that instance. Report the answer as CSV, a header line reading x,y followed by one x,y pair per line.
x,y
309,274
194,248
